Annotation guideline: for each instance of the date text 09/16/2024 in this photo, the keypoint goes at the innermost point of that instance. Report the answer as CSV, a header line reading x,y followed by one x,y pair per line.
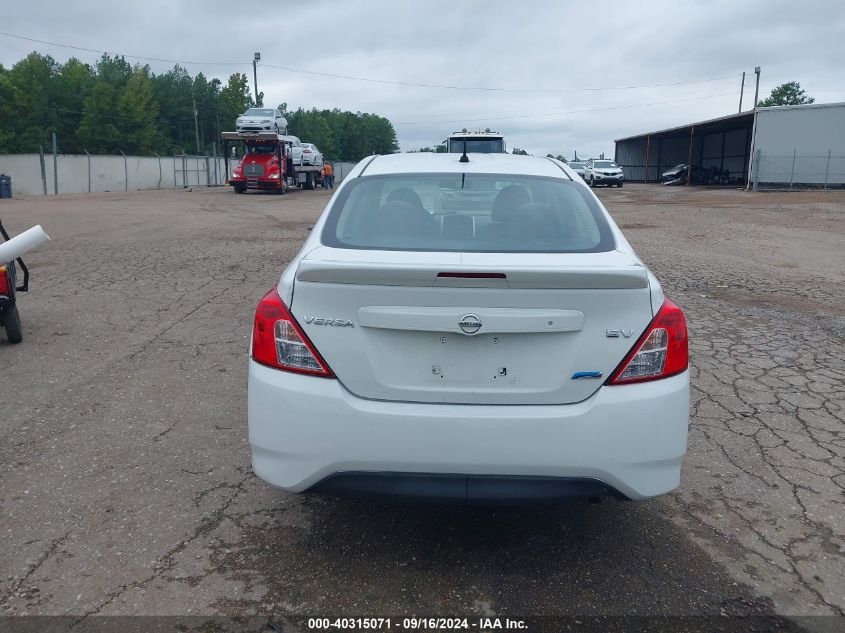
x,y
415,624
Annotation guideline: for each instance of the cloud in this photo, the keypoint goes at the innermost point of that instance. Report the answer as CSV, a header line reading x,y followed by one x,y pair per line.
x,y
542,44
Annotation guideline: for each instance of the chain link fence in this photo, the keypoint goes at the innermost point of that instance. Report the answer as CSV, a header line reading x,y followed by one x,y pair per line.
x,y
797,171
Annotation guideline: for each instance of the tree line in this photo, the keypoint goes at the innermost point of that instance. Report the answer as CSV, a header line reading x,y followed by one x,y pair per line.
x,y
342,135
114,106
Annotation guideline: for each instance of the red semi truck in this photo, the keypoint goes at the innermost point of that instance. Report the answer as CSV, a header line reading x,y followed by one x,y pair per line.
x,y
267,165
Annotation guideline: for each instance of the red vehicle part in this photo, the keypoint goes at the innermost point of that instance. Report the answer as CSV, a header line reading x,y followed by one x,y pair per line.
x,y
264,167
9,318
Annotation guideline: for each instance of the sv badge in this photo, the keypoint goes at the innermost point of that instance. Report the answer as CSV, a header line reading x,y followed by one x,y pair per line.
x,y
618,333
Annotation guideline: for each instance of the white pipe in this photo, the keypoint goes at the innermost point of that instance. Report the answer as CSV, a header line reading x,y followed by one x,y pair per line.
x,y
22,243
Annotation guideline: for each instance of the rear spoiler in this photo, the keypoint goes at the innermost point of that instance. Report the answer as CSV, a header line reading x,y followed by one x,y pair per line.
x,y
539,277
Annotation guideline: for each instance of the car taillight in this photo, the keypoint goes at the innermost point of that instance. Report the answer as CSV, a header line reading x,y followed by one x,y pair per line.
x,y
279,342
661,351
5,288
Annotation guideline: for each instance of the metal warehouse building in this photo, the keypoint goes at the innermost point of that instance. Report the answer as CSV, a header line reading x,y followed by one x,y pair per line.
x,y
765,148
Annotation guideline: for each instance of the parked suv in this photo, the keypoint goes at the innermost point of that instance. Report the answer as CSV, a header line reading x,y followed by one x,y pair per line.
x,y
577,166
600,171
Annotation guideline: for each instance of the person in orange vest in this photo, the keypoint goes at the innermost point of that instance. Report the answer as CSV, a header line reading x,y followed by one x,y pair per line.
x,y
328,176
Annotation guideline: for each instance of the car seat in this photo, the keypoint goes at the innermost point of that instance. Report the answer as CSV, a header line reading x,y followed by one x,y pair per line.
x,y
405,194
507,201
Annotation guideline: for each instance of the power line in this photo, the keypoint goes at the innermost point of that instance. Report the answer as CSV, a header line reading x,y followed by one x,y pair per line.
x,y
382,81
94,50
529,116
494,89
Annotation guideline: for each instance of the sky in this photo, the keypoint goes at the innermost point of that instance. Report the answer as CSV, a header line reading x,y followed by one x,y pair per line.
x,y
553,76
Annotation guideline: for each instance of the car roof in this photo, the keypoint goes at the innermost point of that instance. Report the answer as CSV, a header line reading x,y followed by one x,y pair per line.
x,y
428,162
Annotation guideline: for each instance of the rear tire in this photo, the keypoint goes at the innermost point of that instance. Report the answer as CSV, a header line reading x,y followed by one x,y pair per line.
x,y
13,325
309,180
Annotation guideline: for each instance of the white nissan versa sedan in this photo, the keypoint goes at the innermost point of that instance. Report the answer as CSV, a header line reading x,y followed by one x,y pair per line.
x,y
478,332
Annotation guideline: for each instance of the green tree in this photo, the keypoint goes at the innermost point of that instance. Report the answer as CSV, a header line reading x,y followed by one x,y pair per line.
x,y
33,117
98,131
234,99
69,88
99,128
343,135
137,112
113,106
8,110
789,93
172,91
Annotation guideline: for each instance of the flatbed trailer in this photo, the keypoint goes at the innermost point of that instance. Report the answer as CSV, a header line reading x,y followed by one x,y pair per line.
x,y
268,171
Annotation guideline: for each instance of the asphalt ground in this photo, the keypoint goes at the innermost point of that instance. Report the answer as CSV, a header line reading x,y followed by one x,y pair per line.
x,y
125,480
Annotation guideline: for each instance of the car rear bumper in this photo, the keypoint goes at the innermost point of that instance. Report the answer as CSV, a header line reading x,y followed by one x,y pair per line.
x,y
628,440
471,489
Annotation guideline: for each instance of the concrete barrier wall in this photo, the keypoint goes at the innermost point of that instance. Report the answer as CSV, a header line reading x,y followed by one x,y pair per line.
x,y
81,173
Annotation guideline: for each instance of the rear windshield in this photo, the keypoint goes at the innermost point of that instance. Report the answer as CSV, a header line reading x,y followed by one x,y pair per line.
x,y
467,213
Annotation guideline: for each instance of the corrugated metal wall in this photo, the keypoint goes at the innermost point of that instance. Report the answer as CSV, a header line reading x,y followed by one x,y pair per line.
x,y
800,147
725,151
811,130
663,153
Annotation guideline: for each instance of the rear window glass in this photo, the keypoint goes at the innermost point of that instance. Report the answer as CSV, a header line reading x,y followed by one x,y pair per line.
x,y
467,213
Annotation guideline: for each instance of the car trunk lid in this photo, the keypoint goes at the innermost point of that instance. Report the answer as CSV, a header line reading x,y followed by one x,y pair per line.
x,y
475,328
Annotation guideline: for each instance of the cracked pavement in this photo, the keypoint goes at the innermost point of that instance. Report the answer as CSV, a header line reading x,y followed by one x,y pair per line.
x,y
126,488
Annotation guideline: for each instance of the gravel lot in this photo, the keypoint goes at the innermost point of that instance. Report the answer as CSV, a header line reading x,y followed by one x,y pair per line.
x,y
125,483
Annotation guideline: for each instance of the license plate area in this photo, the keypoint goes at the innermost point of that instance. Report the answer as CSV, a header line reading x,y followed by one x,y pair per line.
x,y
484,360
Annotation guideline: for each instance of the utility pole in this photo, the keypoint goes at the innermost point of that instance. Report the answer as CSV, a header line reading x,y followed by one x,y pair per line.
x,y
741,90
196,125
255,61
757,87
